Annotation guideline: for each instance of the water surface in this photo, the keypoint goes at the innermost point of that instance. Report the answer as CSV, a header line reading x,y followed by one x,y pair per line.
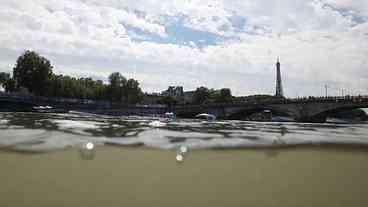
x,y
36,132
133,162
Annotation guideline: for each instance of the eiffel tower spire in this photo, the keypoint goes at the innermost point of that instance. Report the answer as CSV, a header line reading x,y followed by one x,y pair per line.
x,y
279,91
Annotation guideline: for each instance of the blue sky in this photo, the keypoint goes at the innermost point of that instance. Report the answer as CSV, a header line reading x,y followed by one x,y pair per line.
x,y
216,43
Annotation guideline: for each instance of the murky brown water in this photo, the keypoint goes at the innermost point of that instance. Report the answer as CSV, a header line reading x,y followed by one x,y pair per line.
x,y
133,162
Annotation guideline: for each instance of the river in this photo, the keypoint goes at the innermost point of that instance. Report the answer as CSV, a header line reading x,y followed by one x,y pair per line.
x,y
84,159
37,132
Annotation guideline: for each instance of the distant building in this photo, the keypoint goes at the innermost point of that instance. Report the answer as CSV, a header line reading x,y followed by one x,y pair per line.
x,y
174,91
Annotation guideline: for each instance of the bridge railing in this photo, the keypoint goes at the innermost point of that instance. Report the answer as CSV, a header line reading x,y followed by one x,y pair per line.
x,y
60,100
331,99
349,99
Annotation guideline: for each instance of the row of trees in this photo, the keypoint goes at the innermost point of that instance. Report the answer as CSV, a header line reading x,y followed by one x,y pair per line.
x,y
201,95
204,95
121,89
33,73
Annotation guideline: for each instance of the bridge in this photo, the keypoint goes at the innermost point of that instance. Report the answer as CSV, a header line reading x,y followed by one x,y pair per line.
x,y
304,110
312,109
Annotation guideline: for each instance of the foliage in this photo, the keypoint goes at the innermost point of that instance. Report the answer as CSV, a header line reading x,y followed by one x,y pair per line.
x,y
10,85
33,72
201,95
118,90
132,92
123,90
115,89
7,82
168,100
70,87
204,95
4,77
222,96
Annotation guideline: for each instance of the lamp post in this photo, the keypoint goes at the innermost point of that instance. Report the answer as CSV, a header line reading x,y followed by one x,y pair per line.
x,y
326,88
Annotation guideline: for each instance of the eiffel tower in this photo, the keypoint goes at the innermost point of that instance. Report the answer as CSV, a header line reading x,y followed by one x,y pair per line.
x,y
279,91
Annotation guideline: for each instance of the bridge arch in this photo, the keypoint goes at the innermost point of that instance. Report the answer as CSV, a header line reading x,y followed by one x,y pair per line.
x,y
242,113
324,112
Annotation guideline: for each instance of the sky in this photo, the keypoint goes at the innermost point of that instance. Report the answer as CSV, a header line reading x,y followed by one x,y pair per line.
x,y
192,43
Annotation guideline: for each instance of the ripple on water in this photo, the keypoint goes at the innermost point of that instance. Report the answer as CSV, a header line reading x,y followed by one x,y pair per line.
x,y
47,132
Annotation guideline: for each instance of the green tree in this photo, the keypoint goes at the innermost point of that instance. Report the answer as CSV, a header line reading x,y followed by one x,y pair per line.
x,y
168,100
82,88
7,82
33,72
132,92
223,95
100,90
10,85
116,86
201,95
4,77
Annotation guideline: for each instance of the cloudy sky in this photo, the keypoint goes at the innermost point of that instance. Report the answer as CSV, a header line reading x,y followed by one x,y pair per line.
x,y
216,43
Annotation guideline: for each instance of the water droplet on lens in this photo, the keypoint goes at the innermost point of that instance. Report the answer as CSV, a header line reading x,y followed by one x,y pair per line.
x,y
90,146
179,158
183,149
87,151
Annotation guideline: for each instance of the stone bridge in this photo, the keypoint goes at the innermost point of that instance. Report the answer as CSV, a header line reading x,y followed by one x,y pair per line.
x,y
304,110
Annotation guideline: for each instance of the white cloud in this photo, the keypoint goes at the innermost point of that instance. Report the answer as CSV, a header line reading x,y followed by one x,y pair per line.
x,y
317,44
355,6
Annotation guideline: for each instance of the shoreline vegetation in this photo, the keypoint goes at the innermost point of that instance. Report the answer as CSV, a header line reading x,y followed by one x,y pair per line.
x,y
33,75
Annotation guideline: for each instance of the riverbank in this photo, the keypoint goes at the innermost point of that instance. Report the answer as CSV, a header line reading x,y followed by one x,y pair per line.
x,y
129,176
